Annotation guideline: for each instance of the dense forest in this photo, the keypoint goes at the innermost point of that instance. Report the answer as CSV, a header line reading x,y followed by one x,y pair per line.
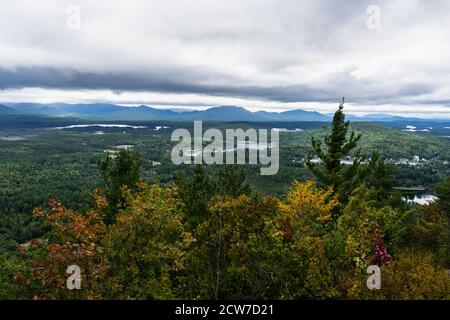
x,y
140,227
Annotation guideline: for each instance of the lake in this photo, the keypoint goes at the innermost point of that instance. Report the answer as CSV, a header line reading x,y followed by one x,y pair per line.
x,y
76,126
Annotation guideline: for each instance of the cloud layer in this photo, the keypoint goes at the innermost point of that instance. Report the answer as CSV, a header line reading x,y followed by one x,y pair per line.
x,y
262,54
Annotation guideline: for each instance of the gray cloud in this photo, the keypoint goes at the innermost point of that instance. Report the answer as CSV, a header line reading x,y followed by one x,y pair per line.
x,y
117,82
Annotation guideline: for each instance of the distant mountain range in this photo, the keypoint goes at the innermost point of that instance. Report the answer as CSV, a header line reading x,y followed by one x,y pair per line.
x,y
223,113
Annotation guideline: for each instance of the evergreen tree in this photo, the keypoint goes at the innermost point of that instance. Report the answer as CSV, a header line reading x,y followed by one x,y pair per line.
x,y
443,193
121,172
379,178
199,189
195,192
443,203
232,183
331,172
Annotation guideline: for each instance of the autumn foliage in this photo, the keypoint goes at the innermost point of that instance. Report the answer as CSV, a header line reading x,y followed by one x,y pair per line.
x,y
245,248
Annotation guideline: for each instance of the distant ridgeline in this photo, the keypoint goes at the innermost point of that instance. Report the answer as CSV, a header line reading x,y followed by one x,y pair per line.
x,y
143,112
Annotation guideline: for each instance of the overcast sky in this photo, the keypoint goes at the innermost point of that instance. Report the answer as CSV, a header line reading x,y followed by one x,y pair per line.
x,y
263,55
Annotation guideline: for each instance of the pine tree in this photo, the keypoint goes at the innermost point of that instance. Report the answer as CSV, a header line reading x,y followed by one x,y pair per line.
x,y
123,171
331,172
232,182
199,189
443,193
380,178
196,191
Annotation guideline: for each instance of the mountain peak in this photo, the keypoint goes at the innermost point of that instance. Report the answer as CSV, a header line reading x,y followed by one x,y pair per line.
x,y
229,108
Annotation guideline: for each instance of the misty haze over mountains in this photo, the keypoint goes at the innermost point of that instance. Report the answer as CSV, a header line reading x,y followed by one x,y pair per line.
x,y
221,113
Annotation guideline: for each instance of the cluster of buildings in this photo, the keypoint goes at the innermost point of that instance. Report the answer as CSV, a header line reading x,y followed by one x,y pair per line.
x,y
413,161
113,152
345,161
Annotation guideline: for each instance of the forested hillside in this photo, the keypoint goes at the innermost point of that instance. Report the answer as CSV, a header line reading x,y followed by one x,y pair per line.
x,y
109,201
